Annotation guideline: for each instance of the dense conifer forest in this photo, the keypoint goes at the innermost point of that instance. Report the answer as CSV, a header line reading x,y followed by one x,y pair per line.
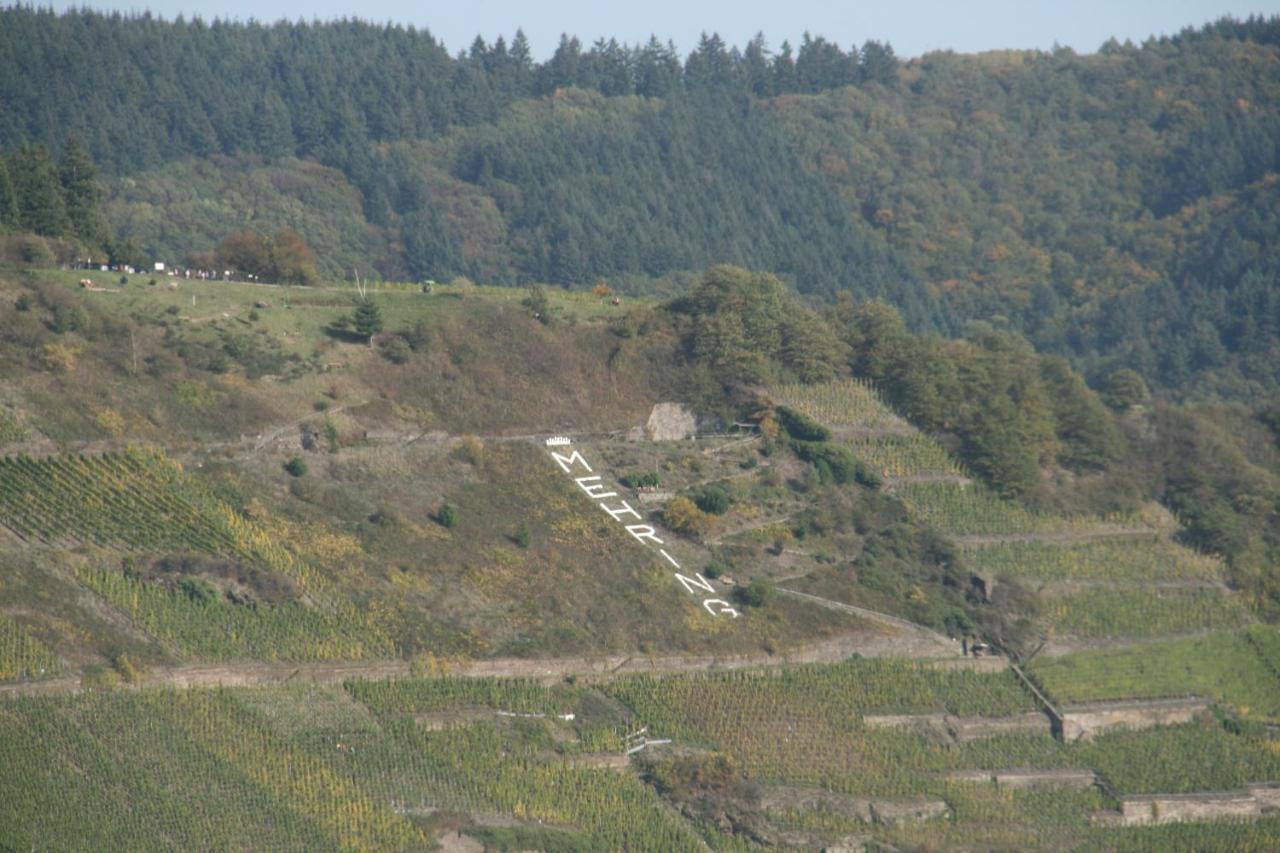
x,y
1114,208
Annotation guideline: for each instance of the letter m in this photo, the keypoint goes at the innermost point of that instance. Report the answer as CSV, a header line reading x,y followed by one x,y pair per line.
x,y
566,462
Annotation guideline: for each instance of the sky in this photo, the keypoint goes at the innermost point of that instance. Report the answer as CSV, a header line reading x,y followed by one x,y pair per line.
x,y
913,27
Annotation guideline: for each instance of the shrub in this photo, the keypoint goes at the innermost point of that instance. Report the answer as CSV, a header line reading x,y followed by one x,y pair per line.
x,y
683,516
714,500
470,449
758,593
447,516
58,358
636,481
68,318
417,337
536,301
199,590
98,677
522,535
395,350
837,462
296,467
800,426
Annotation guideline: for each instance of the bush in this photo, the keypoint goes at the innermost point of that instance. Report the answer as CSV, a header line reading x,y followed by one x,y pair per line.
x,y
297,466
522,535
536,301
683,516
68,318
758,593
636,481
199,590
800,426
447,516
418,337
395,350
837,462
714,500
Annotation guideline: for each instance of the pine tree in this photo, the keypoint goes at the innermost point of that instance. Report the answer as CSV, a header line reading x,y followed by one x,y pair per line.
x,y
79,179
38,192
8,201
367,318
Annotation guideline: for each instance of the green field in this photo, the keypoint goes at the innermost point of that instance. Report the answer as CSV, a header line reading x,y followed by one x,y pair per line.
x,y
1225,667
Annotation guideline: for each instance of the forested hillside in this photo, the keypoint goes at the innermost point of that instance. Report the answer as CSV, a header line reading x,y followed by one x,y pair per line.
x,y
1116,208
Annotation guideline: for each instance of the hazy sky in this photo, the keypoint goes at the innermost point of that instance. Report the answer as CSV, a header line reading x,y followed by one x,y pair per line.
x,y
911,26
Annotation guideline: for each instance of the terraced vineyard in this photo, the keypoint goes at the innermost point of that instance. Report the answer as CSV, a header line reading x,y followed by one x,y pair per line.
x,y
365,765
1095,572
804,726
1135,612
124,499
140,501
21,655
1129,558
220,630
972,509
905,456
159,770
847,404
1237,669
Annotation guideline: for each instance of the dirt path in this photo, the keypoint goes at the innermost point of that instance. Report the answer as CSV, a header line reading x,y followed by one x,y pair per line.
x,y
881,642
755,524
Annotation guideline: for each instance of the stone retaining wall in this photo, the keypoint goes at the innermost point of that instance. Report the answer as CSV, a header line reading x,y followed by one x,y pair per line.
x,y
1022,778
1152,809
1084,722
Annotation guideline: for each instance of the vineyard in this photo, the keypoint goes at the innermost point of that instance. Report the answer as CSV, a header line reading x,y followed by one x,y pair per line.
x,y
140,501
1110,612
1131,558
967,509
851,404
803,726
1198,756
21,655
1237,669
126,499
364,765
1058,555
221,630
905,456
142,771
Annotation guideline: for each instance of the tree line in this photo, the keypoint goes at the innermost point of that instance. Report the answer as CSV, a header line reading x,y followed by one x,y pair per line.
x,y
142,90
51,197
1114,209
